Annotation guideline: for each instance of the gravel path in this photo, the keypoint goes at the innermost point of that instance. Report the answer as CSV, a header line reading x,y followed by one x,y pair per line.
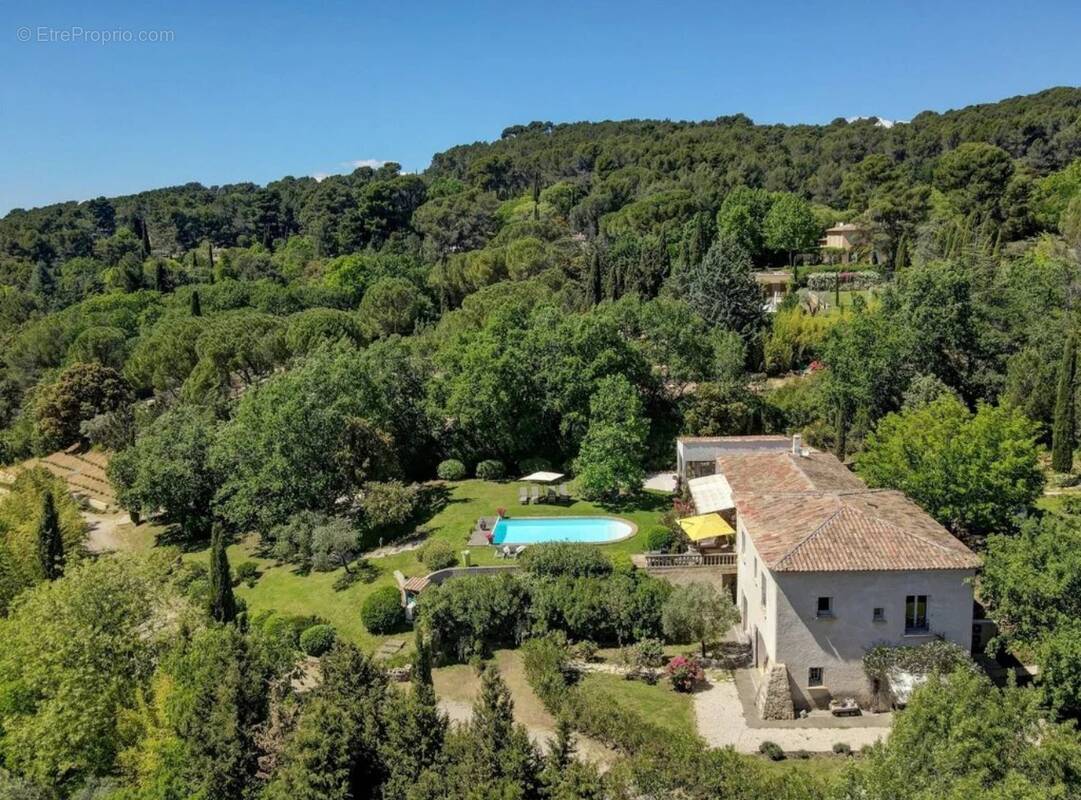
x,y
722,723
102,533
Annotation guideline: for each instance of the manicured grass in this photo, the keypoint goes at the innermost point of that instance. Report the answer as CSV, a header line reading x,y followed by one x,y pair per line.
x,y
660,704
282,588
847,298
822,767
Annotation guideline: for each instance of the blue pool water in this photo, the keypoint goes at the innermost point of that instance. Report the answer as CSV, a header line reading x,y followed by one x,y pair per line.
x,y
532,530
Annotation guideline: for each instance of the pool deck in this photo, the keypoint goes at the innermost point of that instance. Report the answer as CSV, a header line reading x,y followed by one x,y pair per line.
x,y
479,536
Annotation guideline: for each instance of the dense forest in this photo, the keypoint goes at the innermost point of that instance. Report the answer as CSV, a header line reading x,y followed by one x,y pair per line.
x,y
305,355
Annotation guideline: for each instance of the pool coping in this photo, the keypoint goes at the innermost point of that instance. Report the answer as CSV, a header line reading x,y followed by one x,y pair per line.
x,y
633,526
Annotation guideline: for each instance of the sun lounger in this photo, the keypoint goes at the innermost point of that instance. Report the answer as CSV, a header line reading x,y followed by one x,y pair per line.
x,y
505,552
519,550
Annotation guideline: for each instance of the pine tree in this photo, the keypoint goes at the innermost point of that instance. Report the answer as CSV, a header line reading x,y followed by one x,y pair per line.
x,y
413,729
222,602
50,544
1064,429
196,305
561,750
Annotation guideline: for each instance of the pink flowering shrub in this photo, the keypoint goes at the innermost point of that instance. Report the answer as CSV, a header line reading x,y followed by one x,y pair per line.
x,y
684,672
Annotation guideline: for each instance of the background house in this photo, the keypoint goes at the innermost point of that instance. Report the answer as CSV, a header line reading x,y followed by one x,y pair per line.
x,y
844,242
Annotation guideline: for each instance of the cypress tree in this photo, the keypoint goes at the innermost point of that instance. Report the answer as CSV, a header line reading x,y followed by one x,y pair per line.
x,y
840,446
196,304
144,234
596,285
222,602
422,664
1064,429
161,278
50,545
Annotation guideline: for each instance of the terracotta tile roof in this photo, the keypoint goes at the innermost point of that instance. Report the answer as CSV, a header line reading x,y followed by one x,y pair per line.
x,y
759,472
865,530
809,513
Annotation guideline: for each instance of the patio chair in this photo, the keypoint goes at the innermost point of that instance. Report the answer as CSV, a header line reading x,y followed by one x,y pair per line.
x,y
534,495
523,495
564,492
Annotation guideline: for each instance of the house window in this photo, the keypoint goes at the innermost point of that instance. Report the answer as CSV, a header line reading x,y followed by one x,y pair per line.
x,y
916,613
878,615
763,591
825,607
814,676
756,568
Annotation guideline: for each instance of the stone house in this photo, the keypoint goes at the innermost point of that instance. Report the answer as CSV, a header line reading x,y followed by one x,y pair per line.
x,y
827,568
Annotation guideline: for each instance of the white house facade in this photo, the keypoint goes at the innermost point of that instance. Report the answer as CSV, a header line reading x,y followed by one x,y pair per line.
x,y
828,568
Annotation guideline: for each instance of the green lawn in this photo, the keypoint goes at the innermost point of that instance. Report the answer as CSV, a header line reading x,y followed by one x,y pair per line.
x,y
822,767
660,704
281,588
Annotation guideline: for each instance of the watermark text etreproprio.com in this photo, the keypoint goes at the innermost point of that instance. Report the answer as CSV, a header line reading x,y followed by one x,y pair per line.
x,y
76,34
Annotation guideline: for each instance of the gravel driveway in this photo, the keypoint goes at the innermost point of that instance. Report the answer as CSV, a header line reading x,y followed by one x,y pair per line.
x,y
722,722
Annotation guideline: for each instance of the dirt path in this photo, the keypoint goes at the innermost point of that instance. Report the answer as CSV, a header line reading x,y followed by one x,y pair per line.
x,y
109,533
722,722
457,688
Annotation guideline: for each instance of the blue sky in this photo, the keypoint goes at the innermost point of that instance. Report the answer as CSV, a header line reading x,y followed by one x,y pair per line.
x,y
258,90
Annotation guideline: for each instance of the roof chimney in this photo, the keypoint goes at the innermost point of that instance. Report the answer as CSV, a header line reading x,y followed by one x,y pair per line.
x,y
797,444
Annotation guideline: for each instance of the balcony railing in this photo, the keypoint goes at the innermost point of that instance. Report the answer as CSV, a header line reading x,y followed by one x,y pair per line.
x,y
662,560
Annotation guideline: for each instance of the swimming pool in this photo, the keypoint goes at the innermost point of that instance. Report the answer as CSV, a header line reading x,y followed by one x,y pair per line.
x,y
533,530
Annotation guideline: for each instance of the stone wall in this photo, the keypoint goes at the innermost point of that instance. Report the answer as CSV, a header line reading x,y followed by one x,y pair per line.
x,y
774,700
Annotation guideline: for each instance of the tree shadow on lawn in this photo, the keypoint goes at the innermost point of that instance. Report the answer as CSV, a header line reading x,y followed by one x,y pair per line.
x,y
643,501
174,535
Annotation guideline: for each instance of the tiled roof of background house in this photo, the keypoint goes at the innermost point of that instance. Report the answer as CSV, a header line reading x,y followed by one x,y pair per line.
x,y
862,530
786,472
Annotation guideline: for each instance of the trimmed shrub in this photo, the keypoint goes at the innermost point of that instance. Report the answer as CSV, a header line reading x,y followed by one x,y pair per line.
x,y
771,750
660,539
842,749
584,650
825,281
648,653
246,572
564,559
317,639
491,470
451,470
437,555
802,754
382,611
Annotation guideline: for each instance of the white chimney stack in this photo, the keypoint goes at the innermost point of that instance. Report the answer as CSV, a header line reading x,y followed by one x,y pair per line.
x,y
797,444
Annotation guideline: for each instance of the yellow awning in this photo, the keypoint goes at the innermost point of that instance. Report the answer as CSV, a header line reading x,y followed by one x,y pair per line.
x,y
705,526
